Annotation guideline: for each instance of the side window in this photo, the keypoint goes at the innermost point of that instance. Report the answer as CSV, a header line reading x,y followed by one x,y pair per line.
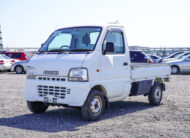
x,y
7,54
17,55
143,56
131,54
153,57
138,56
115,37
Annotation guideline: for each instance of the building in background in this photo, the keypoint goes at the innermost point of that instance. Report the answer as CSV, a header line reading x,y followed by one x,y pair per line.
x,y
1,41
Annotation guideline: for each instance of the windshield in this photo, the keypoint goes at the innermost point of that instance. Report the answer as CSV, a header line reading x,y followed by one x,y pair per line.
x,y
187,58
175,55
72,39
183,55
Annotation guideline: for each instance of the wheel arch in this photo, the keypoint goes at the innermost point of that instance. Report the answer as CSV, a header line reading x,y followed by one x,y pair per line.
x,y
18,66
161,81
100,88
103,90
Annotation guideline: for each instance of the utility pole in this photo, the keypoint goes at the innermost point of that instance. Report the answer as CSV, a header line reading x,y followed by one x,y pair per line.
x,y
1,41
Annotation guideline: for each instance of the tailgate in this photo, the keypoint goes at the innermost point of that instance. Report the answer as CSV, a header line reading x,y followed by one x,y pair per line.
x,y
145,71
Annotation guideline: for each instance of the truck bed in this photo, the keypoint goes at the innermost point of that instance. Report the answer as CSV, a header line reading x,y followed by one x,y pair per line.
x,y
145,71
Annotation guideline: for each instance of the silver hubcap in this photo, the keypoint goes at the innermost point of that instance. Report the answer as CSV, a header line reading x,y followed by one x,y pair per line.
x,y
157,94
18,69
174,70
96,105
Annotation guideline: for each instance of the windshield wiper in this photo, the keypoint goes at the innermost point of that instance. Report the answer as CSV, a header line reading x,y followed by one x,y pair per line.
x,y
59,50
40,52
64,50
53,50
80,50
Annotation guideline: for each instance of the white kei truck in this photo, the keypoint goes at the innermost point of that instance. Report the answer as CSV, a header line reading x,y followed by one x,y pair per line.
x,y
87,67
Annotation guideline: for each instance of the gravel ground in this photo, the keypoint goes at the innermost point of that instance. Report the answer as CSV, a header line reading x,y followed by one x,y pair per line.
x,y
133,117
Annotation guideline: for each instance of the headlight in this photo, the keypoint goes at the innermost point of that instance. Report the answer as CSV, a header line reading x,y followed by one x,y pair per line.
x,y
78,74
30,73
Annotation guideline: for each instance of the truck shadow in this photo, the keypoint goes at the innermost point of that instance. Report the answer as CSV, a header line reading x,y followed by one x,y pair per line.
x,y
183,73
68,119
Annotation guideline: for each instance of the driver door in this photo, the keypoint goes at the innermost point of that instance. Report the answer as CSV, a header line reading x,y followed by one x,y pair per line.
x,y
115,68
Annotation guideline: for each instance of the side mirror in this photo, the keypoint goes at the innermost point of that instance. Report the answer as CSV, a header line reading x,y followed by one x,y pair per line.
x,y
109,47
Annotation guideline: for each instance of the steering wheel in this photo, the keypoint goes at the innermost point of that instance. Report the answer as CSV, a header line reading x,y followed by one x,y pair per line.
x,y
62,47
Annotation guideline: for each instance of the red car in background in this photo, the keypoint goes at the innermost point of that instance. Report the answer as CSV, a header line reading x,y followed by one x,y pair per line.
x,y
18,55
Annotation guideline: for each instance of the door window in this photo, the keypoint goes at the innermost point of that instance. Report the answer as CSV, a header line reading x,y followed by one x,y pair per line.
x,y
115,37
137,56
14,55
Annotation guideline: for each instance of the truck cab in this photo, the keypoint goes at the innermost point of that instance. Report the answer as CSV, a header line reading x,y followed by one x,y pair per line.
x,y
88,67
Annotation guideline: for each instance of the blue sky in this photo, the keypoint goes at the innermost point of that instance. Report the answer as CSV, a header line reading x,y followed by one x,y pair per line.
x,y
155,23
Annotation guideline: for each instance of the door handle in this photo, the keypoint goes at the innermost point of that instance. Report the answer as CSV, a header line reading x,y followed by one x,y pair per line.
x,y
125,64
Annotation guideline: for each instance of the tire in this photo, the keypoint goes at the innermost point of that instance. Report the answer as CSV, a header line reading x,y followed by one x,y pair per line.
x,y
155,94
19,69
175,70
37,107
94,106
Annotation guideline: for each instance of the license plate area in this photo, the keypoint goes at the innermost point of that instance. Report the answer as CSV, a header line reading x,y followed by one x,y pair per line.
x,y
50,99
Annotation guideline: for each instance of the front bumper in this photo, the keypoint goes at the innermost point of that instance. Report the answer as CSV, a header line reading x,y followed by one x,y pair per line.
x,y
12,68
75,93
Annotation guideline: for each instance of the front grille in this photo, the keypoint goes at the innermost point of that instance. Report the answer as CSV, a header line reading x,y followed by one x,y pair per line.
x,y
58,92
61,79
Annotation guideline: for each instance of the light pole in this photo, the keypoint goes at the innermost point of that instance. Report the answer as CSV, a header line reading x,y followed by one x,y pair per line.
x,y
1,41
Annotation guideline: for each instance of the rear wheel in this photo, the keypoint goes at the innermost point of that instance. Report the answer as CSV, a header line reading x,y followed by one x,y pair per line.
x,y
175,70
37,107
19,70
155,95
94,106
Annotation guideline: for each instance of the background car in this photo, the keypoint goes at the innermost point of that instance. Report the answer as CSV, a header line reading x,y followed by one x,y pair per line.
x,y
19,67
156,59
173,55
180,65
139,57
2,51
18,55
179,56
5,62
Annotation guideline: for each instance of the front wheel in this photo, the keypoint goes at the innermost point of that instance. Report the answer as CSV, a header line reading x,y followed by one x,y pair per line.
x,y
37,107
19,70
155,95
175,70
94,106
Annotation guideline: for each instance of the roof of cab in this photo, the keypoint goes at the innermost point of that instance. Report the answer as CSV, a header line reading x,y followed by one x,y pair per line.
x,y
100,25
